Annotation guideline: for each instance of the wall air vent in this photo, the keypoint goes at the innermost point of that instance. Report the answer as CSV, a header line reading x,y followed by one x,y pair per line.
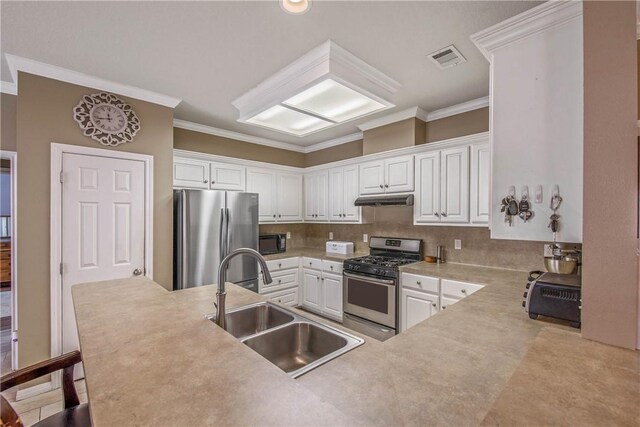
x,y
447,57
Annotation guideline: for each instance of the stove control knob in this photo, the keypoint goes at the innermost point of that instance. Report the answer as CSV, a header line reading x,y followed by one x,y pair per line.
x,y
524,295
376,271
382,272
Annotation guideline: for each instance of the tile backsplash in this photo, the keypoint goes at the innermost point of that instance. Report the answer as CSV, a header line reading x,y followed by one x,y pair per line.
x,y
477,246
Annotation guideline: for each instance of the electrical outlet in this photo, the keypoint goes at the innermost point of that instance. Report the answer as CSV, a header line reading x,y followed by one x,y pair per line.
x,y
457,244
365,238
288,234
331,235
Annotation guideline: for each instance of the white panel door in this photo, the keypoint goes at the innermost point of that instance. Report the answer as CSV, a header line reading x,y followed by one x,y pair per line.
x,y
227,177
336,194
416,306
427,205
454,181
289,197
480,183
322,196
332,295
310,189
263,182
372,177
190,173
350,212
311,289
103,223
398,175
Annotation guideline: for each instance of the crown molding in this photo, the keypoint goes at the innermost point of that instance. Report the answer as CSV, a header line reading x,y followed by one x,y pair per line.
x,y
528,23
333,142
17,63
397,116
464,107
196,127
8,88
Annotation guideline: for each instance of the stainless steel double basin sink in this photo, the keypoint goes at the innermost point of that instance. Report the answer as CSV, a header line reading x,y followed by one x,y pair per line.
x,y
290,341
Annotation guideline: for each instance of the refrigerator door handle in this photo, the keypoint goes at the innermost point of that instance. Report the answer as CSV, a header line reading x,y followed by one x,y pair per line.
x,y
223,242
227,236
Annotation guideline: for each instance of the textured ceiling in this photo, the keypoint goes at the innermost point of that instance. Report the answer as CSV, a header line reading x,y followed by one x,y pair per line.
x,y
209,53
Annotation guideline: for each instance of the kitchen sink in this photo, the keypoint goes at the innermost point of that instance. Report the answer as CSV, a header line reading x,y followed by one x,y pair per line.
x,y
287,339
255,318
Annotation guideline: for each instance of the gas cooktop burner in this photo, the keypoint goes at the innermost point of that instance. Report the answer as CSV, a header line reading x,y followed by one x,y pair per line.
x,y
382,261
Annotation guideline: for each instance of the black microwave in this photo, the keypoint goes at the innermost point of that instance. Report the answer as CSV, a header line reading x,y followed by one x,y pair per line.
x,y
272,243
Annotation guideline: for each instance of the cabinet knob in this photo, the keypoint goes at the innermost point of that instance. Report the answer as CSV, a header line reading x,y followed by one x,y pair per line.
x,y
205,181
279,216
419,283
213,182
386,185
434,304
279,265
331,267
279,280
444,215
464,291
274,215
381,186
437,215
444,307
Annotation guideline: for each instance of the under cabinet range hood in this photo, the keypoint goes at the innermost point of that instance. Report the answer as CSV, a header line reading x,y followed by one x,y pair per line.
x,y
394,200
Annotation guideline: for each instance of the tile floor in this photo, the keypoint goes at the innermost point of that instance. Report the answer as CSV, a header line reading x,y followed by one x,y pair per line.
x,y
39,407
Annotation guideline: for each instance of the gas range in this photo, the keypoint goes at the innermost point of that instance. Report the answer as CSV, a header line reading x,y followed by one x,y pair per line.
x,y
377,265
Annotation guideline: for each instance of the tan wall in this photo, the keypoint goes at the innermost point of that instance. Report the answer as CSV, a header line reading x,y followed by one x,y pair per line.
x,y
477,246
212,144
8,121
610,272
334,154
45,116
390,137
468,123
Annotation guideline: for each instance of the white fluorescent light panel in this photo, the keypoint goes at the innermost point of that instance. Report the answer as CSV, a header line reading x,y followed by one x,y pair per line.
x,y
325,87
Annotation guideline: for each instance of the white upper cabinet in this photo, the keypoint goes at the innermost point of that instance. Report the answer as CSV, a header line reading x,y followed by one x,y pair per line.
x,y
190,173
289,191
454,185
343,192
225,176
264,182
427,203
316,196
393,175
480,183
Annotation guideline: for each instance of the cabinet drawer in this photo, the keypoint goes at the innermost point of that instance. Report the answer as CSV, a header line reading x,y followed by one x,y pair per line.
x,y
332,267
424,283
286,297
281,279
314,263
458,289
283,264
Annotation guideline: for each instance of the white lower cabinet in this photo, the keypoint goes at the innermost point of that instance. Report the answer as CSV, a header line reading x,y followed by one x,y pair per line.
x,y
322,288
423,296
416,306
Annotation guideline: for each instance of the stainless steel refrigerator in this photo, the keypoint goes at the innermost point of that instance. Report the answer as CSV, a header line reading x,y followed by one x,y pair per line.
x,y
207,225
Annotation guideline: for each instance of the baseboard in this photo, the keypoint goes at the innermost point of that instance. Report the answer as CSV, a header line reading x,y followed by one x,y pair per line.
x,y
35,390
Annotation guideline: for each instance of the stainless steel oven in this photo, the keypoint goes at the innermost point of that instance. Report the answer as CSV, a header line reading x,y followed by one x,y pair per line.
x,y
371,298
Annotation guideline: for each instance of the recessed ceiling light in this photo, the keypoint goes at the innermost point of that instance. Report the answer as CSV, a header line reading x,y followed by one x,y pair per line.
x,y
334,101
295,7
284,119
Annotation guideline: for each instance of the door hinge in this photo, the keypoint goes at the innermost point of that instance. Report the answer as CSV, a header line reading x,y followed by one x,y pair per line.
x,y
61,269
61,177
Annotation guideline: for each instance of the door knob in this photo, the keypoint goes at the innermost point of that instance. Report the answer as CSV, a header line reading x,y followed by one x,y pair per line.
x,y
137,272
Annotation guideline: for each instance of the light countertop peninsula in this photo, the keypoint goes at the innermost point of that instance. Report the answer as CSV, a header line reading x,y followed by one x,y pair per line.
x,y
151,358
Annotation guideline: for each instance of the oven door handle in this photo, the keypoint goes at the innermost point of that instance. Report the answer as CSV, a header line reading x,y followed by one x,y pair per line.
x,y
370,279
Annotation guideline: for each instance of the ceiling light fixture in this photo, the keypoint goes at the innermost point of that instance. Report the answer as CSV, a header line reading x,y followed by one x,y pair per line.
x,y
326,87
295,7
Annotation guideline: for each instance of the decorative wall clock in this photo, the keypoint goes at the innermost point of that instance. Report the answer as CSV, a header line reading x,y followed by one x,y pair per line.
x,y
107,119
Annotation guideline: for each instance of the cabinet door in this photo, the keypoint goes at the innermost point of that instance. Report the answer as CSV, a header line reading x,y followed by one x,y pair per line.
x,y
289,197
263,182
190,173
416,307
398,175
311,289
372,177
322,196
336,194
332,295
480,177
427,205
310,197
227,177
350,212
454,182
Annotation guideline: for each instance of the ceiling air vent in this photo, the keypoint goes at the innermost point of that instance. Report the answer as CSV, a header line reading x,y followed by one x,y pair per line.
x,y
447,57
